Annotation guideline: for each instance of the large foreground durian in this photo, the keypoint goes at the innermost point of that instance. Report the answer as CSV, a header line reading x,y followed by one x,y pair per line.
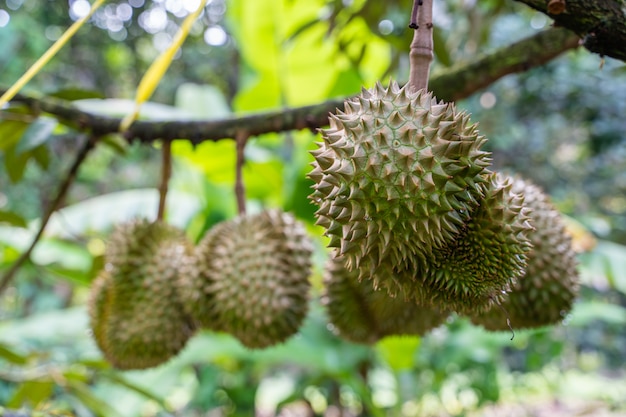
x,y
485,259
364,315
397,175
549,287
136,317
252,278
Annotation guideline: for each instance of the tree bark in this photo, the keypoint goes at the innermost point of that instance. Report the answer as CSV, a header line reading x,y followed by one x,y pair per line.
x,y
600,23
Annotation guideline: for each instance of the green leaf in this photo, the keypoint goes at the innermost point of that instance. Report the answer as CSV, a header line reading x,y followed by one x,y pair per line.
x,y
439,46
11,131
96,405
72,94
118,379
115,142
41,155
399,351
12,218
15,164
36,134
11,356
31,393
586,312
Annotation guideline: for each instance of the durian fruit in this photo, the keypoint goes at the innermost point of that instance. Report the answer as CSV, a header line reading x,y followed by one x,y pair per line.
x,y
546,293
137,319
361,314
252,279
481,264
396,176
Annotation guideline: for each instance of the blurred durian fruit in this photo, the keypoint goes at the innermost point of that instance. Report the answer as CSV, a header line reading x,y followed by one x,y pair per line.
x,y
251,278
362,314
396,176
136,316
547,290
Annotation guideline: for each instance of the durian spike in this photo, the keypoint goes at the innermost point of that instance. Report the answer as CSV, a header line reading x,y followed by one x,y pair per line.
x,y
421,54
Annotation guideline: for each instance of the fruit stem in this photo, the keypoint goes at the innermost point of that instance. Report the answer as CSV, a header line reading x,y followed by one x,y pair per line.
x,y
56,203
421,53
241,138
166,173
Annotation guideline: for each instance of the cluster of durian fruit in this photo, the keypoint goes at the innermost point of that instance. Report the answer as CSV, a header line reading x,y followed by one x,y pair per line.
x,y
421,227
248,276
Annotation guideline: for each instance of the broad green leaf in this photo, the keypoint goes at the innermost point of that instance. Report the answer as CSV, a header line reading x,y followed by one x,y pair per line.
x,y
12,218
31,393
36,134
399,351
120,107
72,94
115,142
63,254
10,132
439,46
96,405
607,261
586,312
118,379
75,275
11,356
41,155
15,164
102,212
203,101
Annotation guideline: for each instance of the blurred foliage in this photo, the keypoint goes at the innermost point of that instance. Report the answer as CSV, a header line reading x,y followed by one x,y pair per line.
x,y
560,125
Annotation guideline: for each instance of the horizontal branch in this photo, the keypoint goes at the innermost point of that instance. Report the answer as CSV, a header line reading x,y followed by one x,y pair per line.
x,y
600,23
456,83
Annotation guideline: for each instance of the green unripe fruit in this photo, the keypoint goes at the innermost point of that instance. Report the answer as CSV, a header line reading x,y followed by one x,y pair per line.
x,y
396,176
546,292
482,263
362,314
136,316
252,278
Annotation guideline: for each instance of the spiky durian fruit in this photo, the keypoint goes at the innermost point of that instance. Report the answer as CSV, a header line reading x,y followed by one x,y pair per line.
x,y
475,270
397,174
136,316
364,315
546,292
253,278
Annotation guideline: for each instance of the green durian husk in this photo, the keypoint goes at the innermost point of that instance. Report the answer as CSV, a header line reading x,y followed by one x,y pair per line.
x,y
137,318
396,176
489,255
362,314
546,292
253,278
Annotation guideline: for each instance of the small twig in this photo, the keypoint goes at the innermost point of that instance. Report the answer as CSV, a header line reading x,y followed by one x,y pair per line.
x,y
166,173
416,5
421,54
63,189
506,314
240,191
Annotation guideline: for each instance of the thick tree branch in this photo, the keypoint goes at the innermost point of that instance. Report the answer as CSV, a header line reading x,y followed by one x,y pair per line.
x,y
461,81
454,84
600,23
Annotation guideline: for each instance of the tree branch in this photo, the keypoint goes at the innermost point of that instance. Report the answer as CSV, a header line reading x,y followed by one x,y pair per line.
x,y
454,84
600,23
461,81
